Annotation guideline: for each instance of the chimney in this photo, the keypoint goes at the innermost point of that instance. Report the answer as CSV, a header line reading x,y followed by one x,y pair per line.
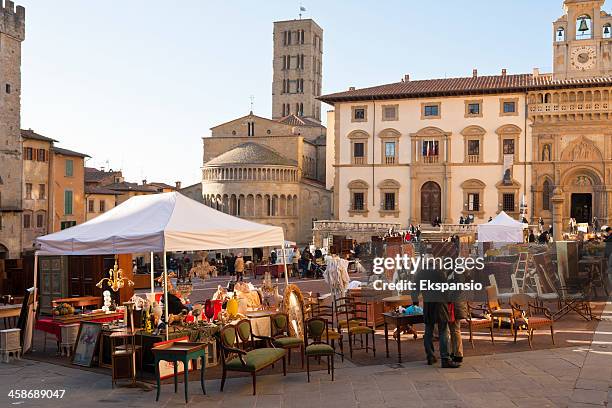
x,y
144,182
351,88
178,185
504,72
536,72
407,78
474,73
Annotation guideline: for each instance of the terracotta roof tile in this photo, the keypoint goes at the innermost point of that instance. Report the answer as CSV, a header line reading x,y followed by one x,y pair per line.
x,y
250,153
294,120
461,86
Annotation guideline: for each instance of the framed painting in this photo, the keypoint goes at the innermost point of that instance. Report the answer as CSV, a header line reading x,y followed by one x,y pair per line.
x,y
86,343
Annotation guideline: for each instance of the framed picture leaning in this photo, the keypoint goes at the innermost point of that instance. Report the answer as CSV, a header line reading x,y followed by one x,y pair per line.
x,y
86,343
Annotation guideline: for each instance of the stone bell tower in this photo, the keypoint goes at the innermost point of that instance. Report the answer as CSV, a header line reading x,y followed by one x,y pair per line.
x,y
582,41
12,33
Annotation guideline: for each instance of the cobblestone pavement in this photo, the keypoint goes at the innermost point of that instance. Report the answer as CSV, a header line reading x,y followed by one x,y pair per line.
x,y
578,376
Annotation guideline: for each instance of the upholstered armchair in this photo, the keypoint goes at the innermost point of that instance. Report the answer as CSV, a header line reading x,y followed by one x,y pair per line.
x,y
531,317
478,318
244,359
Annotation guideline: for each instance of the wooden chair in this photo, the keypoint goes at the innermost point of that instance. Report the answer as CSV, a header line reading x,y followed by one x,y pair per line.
x,y
279,323
331,335
317,328
529,316
494,308
545,296
352,316
478,317
251,361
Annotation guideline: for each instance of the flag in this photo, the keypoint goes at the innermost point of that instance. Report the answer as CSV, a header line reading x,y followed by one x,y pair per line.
x,y
302,8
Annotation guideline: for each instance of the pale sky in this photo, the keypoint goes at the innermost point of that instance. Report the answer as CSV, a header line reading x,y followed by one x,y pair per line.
x,y
139,82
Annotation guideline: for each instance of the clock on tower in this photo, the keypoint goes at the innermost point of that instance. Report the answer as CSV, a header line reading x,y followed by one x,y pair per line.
x,y
582,41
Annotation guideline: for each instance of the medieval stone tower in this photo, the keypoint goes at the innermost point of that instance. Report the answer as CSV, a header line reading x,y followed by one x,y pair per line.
x,y
12,33
297,65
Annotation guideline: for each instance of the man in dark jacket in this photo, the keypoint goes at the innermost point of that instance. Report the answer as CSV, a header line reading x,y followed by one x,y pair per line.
x,y
459,311
435,312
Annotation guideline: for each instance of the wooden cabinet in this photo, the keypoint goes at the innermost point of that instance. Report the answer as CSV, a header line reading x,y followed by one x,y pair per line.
x,y
84,272
53,280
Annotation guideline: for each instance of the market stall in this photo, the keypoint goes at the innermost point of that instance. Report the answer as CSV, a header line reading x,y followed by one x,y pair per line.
x,y
157,223
502,228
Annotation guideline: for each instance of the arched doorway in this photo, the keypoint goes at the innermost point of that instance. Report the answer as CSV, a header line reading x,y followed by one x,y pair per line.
x,y
431,201
3,252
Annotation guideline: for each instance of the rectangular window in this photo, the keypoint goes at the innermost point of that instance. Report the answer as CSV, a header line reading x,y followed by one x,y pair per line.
x,y
69,168
28,153
508,146
67,224
103,206
27,221
358,149
40,221
390,149
42,191
431,110
389,202
390,113
359,114
68,202
28,191
7,88
474,147
508,202
473,202
41,155
473,109
91,206
509,107
358,202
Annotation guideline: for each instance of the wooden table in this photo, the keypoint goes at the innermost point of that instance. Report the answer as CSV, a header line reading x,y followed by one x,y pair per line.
x,y
180,351
10,311
399,320
394,301
78,301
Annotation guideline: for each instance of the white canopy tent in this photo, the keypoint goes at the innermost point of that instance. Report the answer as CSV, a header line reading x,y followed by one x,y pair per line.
x,y
502,228
159,223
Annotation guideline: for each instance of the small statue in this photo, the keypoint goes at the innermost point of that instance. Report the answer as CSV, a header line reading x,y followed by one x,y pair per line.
x,y
507,177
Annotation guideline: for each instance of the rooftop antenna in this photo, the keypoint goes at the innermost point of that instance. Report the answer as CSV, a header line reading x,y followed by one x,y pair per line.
x,y
252,98
302,10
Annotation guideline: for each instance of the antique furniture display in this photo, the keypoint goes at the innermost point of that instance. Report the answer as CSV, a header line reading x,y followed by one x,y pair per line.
x,y
596,272
478,317
180,351
399,321
316,329
82,301
529,316
123,357
494,308
10,344
282,338
352,316
331,335
9,313
248,360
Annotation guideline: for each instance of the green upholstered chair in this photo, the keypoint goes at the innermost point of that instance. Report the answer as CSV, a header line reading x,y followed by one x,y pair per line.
x,y
246,359
279,323
315,330
332,335
352,316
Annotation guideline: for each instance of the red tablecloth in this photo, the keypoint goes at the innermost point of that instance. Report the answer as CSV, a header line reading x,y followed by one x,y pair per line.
x,y
51,326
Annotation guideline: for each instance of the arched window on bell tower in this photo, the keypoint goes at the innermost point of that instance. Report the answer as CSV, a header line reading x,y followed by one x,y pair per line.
x,y
584,27
560,34
607,31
